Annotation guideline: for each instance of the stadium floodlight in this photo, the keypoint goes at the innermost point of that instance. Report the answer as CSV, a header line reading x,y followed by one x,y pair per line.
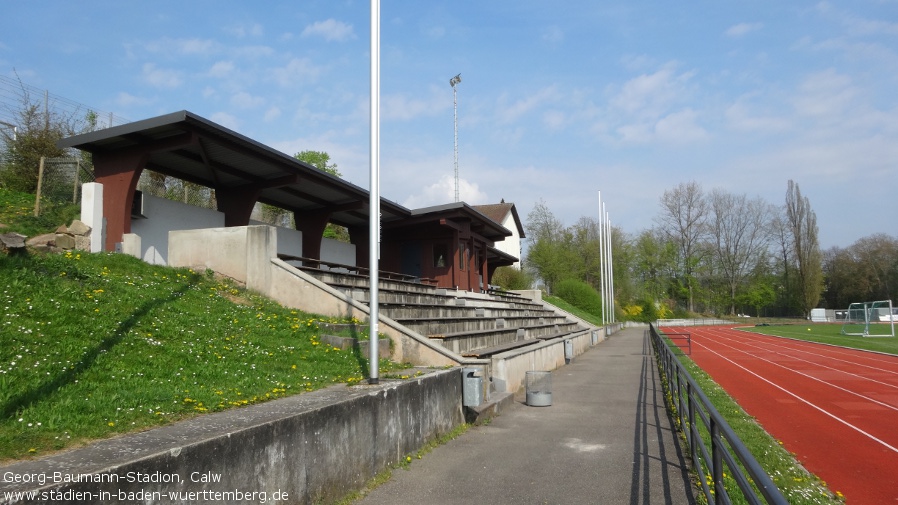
x,y
454,82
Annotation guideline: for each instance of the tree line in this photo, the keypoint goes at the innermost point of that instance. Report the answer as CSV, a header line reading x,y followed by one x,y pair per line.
x,y
716,253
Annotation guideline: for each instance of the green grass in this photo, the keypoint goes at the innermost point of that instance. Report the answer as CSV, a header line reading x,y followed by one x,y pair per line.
x,y
582,314
796,484
829,333
17,213
97,344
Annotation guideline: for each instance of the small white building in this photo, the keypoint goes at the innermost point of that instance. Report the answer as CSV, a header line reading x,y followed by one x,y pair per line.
x,y
506,215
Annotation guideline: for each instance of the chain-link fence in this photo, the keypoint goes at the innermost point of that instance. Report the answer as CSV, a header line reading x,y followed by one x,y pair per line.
x,y
59,180
171,188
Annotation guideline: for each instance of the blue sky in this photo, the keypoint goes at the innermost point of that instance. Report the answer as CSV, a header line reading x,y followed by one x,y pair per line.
x,y
556,102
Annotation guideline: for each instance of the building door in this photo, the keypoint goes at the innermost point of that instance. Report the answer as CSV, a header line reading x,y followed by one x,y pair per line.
x,y
411,258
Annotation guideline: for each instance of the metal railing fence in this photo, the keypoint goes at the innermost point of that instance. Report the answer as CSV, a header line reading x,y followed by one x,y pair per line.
x,y
716,451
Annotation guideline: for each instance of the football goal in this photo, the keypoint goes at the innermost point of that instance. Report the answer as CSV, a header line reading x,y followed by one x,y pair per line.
x,y
870,319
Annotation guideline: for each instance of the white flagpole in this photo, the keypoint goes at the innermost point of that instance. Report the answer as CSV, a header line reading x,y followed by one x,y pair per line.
x,y
610,270
601,259
374,198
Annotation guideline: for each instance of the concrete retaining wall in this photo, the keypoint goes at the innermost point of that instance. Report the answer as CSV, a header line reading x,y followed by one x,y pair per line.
x,y
509,368
309,448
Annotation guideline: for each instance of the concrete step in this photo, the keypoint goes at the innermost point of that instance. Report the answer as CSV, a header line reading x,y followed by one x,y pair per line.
x,y
436,326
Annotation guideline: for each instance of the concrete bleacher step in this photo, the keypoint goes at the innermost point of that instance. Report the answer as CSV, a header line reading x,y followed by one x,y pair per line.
x,y
468,323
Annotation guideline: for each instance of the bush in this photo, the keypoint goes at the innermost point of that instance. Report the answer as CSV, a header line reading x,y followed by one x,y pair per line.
x,y
580,295
511,278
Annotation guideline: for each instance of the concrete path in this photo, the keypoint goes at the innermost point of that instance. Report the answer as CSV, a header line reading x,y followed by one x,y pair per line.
x,y
606,439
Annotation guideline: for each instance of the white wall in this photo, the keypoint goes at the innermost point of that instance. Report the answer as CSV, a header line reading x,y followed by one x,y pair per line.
x,y
511,245
163,216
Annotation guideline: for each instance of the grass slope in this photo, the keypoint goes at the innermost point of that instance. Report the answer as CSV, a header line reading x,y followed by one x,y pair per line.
x,y
97,344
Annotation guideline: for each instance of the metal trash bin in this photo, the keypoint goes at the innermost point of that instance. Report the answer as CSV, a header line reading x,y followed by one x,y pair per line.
x,y
568,351
538,386
472,387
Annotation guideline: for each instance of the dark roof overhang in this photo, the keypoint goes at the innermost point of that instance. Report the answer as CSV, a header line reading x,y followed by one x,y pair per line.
x,y
192,148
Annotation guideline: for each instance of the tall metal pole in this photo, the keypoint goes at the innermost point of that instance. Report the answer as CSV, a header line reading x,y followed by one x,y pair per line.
x,y
602,260
610,270
374,198
453,82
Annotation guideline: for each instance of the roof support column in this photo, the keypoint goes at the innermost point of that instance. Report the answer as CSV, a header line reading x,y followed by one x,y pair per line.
x,y
359,236
312,225
118,173
237,203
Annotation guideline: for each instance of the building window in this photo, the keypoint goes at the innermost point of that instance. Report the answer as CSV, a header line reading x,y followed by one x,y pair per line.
x,y
462,255
440,251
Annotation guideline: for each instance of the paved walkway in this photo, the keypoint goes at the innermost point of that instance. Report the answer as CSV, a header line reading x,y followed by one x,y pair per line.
x,y
606,439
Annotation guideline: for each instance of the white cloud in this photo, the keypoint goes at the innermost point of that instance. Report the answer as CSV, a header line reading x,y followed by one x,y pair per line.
x,y
443,191
124,99
405,108
508,113
246,30
244,100
825,94
680,127
222,69
330,30
161,77
226,120
297,70
743,29
272,113
192,46
740,116
650,95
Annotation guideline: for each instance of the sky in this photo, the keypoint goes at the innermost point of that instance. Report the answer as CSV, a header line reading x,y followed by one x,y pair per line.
x,y
556,104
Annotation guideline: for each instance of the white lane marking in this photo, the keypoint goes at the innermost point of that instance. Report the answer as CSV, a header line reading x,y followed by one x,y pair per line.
x,y
824,411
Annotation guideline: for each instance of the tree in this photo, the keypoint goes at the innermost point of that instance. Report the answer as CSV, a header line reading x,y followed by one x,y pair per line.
x,y
683,218
802,223
37,129
739,229
320,160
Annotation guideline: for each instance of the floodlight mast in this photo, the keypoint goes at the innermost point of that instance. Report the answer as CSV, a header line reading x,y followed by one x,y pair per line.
x,y
453,82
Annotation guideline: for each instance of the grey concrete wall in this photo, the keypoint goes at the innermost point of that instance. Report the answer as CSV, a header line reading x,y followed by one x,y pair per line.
x,y
314,447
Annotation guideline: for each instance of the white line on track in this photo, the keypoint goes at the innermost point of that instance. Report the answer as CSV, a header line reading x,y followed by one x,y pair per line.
x,y
821,365
830,384
806,402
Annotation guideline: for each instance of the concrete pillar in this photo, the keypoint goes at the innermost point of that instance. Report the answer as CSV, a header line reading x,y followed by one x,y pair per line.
x,y
92,214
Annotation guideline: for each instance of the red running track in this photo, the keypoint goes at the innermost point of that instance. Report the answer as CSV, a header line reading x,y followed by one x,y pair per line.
x,y
836,409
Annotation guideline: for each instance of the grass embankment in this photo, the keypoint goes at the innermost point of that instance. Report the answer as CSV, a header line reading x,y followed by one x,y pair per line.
x,y
93,345
582,314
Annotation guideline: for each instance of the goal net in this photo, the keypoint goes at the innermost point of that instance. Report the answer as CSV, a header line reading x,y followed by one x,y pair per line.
x,y
870,319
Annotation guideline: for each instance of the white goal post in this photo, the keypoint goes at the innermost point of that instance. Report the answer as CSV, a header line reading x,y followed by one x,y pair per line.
x,y
870,319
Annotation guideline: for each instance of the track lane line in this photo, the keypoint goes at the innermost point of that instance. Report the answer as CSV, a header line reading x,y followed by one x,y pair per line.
x,y
821,365
806,402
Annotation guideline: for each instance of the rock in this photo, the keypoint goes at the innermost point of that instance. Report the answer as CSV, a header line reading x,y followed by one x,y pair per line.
x,y
65,242
62,229
79,229
12,243
44,242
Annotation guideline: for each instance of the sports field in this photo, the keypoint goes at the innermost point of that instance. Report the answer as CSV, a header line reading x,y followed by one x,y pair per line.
x,y
835,408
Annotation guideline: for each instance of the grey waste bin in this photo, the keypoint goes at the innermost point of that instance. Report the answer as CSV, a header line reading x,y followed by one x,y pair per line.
x,y
472,387
538,386
568,351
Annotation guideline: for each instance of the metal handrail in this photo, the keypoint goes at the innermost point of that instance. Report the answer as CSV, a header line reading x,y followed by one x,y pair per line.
x,y
725,446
